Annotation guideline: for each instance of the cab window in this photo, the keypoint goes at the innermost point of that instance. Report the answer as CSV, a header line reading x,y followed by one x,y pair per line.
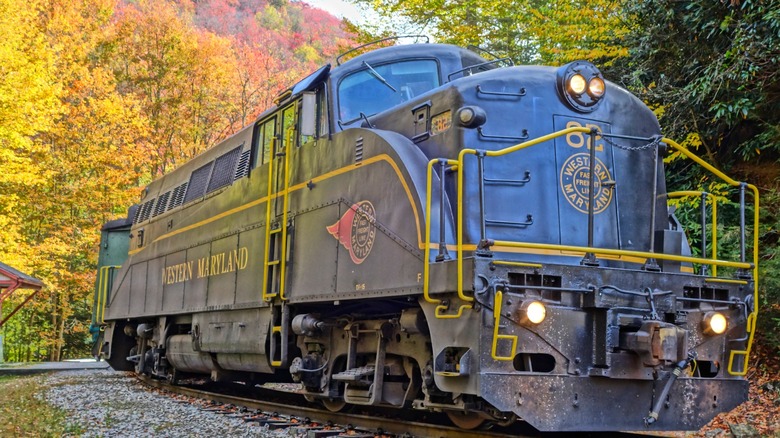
x,y
379,87
288,126
265,136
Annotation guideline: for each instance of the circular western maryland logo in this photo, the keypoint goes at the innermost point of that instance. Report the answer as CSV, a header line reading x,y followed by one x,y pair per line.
x,y
363,231
356,231
575,180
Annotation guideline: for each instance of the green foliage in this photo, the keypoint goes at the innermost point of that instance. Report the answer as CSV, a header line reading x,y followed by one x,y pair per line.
x,y
713,67
769,268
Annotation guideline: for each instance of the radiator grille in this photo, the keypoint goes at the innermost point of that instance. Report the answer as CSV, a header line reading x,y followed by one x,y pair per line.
x,y
198,182
162,202
224,170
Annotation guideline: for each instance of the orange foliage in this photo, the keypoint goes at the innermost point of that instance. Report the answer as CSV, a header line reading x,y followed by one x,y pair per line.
x,y
97,97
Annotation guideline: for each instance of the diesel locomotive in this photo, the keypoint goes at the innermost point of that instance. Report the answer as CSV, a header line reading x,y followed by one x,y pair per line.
x,y
420,227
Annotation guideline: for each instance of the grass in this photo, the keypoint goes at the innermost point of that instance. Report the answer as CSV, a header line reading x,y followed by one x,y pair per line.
x,y
22,414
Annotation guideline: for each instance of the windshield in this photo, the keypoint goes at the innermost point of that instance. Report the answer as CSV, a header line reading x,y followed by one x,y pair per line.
x,y
379,87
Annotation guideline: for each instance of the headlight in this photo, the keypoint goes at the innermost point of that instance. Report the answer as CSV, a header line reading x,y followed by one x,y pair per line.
x,y
714,323
596,87
577,84
581,86
532,312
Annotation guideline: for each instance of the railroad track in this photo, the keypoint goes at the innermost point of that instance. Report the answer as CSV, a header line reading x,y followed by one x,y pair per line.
x,y
313,422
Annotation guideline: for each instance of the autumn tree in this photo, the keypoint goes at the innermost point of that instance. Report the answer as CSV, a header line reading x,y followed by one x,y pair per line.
x,y
98,97
28,103
534,31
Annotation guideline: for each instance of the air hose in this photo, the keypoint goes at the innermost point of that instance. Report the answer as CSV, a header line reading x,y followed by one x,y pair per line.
x,y
652,417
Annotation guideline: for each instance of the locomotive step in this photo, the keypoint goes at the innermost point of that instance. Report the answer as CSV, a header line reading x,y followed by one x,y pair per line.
x,y
354,374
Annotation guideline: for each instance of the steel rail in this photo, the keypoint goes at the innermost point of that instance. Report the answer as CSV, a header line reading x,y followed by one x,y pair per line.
x,y
393,426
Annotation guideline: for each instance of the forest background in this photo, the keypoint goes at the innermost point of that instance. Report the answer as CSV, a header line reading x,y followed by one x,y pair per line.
x,y
99,97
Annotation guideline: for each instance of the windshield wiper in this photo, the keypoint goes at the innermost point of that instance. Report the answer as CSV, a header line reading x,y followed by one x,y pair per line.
x,y
378,76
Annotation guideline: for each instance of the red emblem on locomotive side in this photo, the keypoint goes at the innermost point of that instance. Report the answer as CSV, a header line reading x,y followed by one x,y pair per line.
x,y
356,231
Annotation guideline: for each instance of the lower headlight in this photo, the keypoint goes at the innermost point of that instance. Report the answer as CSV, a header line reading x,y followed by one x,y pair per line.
x,y
714,323
533,312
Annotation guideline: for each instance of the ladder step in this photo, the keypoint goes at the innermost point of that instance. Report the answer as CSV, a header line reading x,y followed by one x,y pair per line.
x,y
273,262
275,231
354,374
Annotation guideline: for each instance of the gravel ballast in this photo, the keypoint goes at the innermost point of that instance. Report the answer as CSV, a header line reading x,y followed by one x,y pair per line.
x,y
108,403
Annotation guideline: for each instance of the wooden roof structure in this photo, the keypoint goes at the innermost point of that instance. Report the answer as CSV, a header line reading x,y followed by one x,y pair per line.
x,y
11,280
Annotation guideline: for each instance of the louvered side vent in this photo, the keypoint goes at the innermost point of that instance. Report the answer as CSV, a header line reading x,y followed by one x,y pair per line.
x,y
242,169
146,210
162,202
198,182
359,150
178,196
137,217
224,170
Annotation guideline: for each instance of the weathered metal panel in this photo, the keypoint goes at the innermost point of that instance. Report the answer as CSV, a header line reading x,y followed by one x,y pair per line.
x,y
223,263
177,273
195,290
568,403
155,280
249,279
139,275
314,253
235,331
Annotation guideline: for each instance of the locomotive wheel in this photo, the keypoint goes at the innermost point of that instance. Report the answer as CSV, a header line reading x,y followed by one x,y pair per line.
x,y
466,420
173,376
333,405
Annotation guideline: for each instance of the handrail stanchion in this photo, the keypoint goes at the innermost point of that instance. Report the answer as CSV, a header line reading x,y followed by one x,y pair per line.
x,y
590,258
703,267
651,264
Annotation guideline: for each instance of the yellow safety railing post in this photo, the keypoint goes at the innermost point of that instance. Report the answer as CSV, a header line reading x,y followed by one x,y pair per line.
x,y
440,308
714,227
267,295
102,292
285,206
498,302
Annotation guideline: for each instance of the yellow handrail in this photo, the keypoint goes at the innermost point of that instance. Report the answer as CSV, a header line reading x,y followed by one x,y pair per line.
x,y
714,229
267,295
751,320
285,206
440,308
102,292
714,262
498,302
623,252
505,151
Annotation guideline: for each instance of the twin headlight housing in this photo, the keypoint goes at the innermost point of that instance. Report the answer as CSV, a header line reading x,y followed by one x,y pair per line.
x,y
581,86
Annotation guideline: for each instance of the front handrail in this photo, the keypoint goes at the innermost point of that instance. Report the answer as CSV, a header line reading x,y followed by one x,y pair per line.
x,y
714,227
743,264
751,319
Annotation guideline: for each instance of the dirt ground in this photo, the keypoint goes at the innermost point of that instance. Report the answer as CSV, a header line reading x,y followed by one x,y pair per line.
x,y
760,415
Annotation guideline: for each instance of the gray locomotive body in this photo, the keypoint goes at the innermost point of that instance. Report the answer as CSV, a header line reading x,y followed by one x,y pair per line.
x,y
378,235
